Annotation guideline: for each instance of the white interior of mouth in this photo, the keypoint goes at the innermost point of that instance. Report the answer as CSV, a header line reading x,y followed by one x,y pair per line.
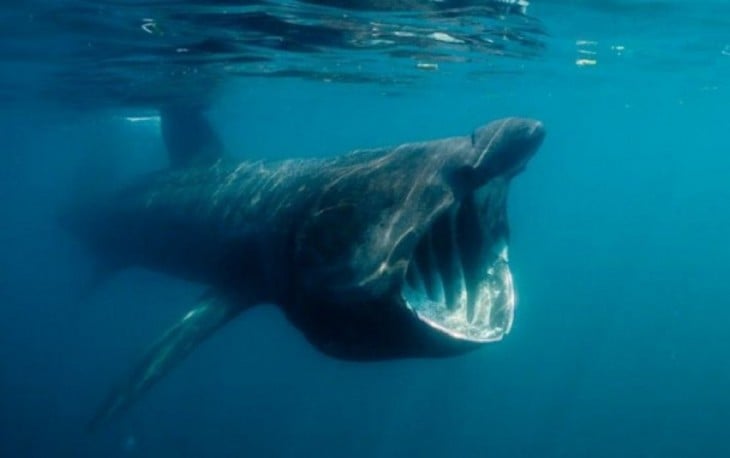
x,y
459,282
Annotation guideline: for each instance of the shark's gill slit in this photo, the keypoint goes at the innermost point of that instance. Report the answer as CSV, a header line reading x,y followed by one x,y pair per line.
x,y
437,279
415,277
470,248
441,240
422,265
462,294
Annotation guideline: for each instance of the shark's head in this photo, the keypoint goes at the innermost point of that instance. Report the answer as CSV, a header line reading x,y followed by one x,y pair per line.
x,y
423,228
458,278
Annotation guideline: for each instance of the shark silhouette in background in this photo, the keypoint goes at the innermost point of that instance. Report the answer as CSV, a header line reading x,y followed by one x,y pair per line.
x,y
377,254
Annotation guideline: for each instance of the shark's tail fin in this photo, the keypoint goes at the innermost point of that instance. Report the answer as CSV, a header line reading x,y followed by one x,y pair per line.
x,y
96,169
120,151
93,179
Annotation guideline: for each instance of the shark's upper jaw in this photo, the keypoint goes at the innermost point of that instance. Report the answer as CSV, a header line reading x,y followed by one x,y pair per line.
x,y
458,279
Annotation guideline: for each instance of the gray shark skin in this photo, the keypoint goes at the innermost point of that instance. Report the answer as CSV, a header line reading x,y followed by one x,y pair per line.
x,y
377,254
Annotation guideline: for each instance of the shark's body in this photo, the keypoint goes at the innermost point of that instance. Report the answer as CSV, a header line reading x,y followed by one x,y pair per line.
x,y
386,253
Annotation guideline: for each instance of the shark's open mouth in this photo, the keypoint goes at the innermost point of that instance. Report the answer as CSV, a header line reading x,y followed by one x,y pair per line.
x,y
458,280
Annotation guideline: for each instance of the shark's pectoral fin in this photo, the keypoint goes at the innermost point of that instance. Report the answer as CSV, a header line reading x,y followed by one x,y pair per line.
x,y
212,311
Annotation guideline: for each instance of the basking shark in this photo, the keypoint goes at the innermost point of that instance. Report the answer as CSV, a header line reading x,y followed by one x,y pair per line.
x,y
381,253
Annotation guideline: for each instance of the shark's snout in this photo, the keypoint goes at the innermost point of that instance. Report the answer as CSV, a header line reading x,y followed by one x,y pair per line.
x,y
504,147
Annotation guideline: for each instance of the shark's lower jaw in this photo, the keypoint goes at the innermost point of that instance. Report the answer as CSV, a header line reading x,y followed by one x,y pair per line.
x,y
459,281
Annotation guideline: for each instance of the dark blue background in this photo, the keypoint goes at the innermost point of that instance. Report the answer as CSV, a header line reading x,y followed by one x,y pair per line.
x,y
619,250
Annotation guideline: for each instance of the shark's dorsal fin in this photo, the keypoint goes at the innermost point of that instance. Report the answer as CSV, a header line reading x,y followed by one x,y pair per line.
x,y
212,311
189,138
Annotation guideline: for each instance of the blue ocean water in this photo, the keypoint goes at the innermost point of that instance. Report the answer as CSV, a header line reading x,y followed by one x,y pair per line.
x,y
618,225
